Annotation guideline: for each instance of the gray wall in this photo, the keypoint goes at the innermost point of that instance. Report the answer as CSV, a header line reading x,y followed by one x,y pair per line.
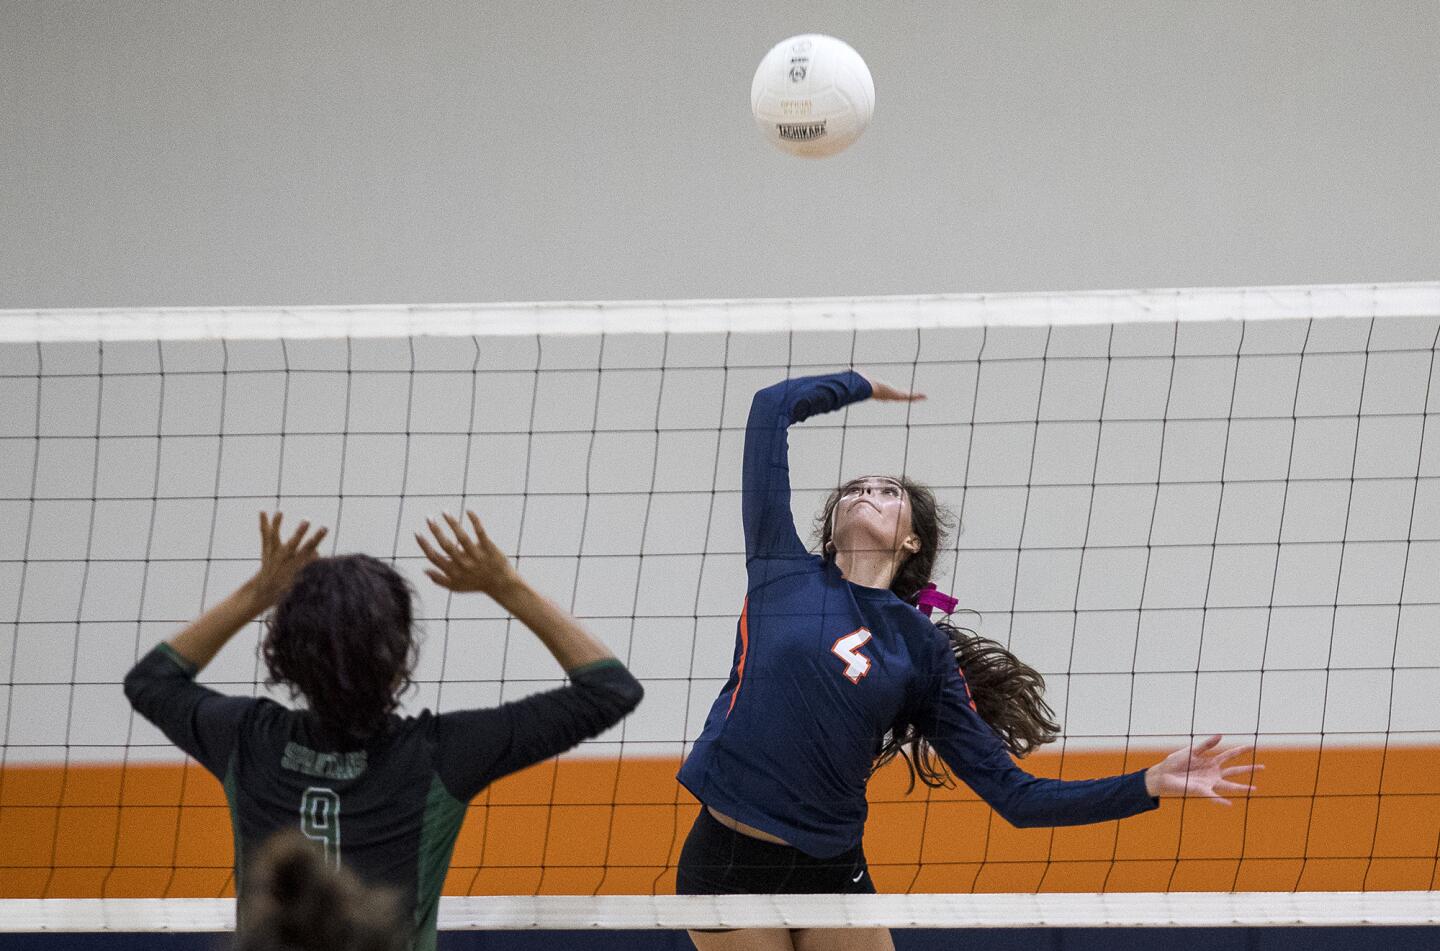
x,y
205,152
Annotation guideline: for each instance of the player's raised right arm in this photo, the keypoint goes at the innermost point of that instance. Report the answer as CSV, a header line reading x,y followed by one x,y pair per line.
x,y
765,482
161,686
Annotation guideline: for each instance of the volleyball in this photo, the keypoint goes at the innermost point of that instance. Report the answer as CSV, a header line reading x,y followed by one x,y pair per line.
x,y
812,95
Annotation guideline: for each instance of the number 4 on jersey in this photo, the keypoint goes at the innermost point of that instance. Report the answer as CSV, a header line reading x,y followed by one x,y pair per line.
x,y
847,648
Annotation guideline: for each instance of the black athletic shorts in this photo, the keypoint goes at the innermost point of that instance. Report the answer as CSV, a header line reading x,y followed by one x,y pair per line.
x,y
717,860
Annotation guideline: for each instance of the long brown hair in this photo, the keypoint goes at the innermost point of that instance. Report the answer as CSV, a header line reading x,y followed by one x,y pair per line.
x,y
1009,694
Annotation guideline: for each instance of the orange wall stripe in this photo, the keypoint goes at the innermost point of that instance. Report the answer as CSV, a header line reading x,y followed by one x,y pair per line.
x,y
1350,819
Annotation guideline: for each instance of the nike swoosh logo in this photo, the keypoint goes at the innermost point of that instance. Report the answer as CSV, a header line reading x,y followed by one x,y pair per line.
x,y
858,875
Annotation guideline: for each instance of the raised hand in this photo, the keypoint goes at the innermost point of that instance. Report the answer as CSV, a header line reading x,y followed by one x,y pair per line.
x,y
463,563
879,390
281,559
1196,771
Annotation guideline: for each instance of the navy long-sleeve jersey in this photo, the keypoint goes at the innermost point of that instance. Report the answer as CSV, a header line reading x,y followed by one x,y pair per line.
x,y
824,667
388,808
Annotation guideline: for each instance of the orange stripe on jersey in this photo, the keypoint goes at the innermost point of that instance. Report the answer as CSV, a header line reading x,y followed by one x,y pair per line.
x,y
744,649
968,695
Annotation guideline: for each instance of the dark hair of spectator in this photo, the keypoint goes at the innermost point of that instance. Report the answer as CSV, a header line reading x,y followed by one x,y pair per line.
x,y
295,901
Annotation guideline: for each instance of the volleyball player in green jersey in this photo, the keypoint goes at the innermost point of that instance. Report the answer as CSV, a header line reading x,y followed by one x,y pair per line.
x,y
383,795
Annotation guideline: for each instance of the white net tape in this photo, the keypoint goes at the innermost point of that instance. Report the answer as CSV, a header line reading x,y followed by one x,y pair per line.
x,y
637,912
1315,302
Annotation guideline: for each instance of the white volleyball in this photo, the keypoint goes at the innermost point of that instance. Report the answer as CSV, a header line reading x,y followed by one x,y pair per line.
x,y
812,95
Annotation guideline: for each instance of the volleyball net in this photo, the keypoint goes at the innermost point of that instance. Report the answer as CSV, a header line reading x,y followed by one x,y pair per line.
x,y
1195,512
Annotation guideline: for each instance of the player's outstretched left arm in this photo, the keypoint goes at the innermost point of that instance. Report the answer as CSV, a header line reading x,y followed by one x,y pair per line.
x,y
976,755
1198,771
280,561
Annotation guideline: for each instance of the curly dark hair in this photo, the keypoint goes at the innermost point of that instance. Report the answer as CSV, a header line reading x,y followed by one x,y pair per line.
x,y
1008,693
343,637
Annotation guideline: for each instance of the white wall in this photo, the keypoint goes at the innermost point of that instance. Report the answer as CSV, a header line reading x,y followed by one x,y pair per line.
x,y
215,152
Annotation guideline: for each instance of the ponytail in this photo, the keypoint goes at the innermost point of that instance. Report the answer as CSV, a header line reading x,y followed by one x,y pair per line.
x,y
1007,693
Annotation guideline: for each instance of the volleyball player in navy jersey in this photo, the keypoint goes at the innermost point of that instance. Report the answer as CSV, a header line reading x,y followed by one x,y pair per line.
x,y
383,795
836,670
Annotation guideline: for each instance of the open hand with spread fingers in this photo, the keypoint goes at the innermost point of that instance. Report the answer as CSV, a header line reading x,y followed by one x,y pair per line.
x,y
465,562
280,558
1197,771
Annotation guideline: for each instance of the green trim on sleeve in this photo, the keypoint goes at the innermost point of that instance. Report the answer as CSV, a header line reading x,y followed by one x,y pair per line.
x,y
595,665
189,666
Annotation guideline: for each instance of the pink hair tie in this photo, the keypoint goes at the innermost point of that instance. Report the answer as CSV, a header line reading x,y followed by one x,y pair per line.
x,y
930,597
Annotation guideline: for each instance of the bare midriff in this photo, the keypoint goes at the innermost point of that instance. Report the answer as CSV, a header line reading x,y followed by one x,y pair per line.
x,y
743,829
